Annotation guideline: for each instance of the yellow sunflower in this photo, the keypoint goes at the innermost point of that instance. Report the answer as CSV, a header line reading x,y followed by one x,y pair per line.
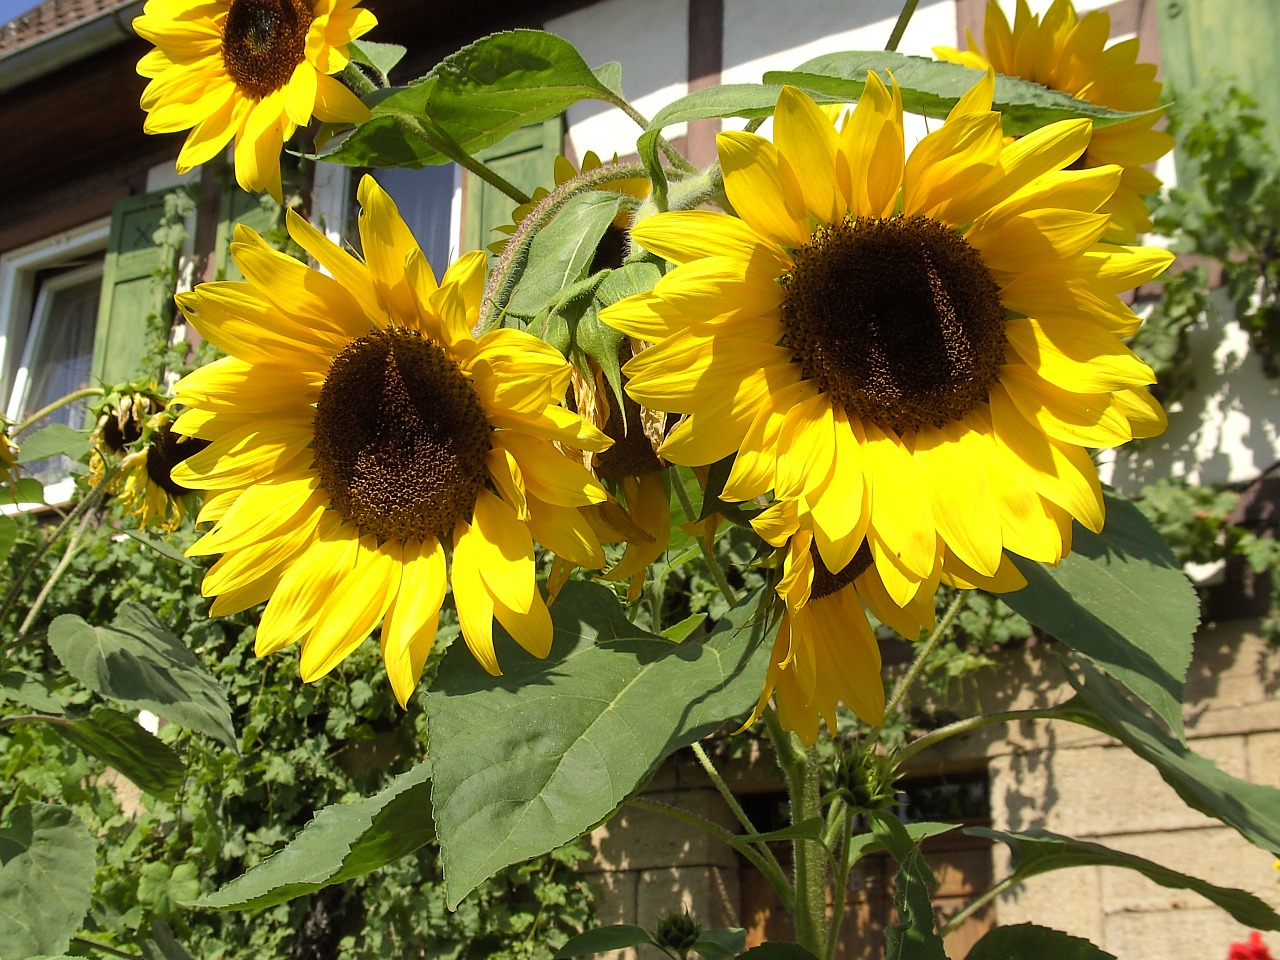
x,y
825,651
8,457
145,488
1067,52
255,70
365,449
917,353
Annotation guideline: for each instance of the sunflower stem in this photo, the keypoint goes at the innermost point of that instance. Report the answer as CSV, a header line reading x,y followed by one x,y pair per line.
x,y
985,898
801,769
358,80
723,789
899,28
845,823
917,665
968,725
89,500
506,273
773,874
43,412
708,553
439,139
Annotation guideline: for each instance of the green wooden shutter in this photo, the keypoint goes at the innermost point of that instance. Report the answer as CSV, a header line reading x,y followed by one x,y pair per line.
x,y
527,160
128,295
236,206
1203,38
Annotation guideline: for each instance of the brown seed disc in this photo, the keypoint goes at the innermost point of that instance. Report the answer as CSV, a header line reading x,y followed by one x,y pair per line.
x,y
262,41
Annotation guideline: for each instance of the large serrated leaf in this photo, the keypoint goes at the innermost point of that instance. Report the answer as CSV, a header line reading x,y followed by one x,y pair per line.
x,y
1039,851
529,760
475,97
932,88
344,840
1251,808
619,936
138,662
914,936
55,440
1121,600
1028,941
46,880
119,742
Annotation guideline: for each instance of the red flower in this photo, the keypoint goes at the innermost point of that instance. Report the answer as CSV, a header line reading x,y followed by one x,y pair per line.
x,y
1255,949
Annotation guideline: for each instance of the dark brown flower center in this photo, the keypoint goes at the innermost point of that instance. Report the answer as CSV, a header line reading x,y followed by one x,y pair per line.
x,y
263,40
632,452
898,320
167,450
400,437
826,583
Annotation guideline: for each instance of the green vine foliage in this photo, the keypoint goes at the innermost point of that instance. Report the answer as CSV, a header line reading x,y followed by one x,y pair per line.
x,y
1224,211
302,746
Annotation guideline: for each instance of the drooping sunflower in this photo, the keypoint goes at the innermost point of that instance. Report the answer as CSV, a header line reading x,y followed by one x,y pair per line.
x,y
366,450
1067,52
145,487
825,651
255,70
917,353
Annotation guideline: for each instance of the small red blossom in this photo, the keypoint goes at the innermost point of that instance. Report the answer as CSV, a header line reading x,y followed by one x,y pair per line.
x,y
1255,949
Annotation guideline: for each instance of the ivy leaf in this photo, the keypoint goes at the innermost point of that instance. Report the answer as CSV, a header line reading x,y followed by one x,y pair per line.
x,y
933,87
55,440
1120,599
1039,851
474,97
138,662
1251,808
1028,941
914,936
119,742
47,859
529,760
619,936
344,840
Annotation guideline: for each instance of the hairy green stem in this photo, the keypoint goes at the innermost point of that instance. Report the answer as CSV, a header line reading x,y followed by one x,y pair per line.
x,y
968,725
358,80
708,551
736,808
43,412
917,665
772,873
985,898
506,272
89,500
899,28
845,822
435,135
73,547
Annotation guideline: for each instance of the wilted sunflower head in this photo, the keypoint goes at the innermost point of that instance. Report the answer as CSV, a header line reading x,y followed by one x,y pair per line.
x,y
144,486
252,70
915,352
1063,51
367,452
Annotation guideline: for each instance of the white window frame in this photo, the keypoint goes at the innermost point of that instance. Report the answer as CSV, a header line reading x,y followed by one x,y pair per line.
x,y
19,305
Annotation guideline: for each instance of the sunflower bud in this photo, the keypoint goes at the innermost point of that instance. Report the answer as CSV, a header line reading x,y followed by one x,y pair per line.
x,y
677,931
866,779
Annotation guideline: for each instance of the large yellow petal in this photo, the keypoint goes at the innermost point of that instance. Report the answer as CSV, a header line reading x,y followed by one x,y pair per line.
x,y
804,136
356,605
900,504
682,236
763,189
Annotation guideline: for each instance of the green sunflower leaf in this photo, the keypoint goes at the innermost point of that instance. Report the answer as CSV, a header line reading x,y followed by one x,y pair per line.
x,y
26,490
55,440
47,859
932,88
619,936
382,57
122,744
777,950
1120,599
344,840
472,99
1040,851
914,936
138,662
1028,941
1251,808
532,759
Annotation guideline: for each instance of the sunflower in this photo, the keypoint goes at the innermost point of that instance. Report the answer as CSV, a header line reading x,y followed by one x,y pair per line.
x,y
1066,52
8,456
916,353
825,651
255,70
145,488
366,449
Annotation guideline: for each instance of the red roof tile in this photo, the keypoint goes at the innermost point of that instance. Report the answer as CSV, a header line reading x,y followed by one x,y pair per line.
x,y
51,18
